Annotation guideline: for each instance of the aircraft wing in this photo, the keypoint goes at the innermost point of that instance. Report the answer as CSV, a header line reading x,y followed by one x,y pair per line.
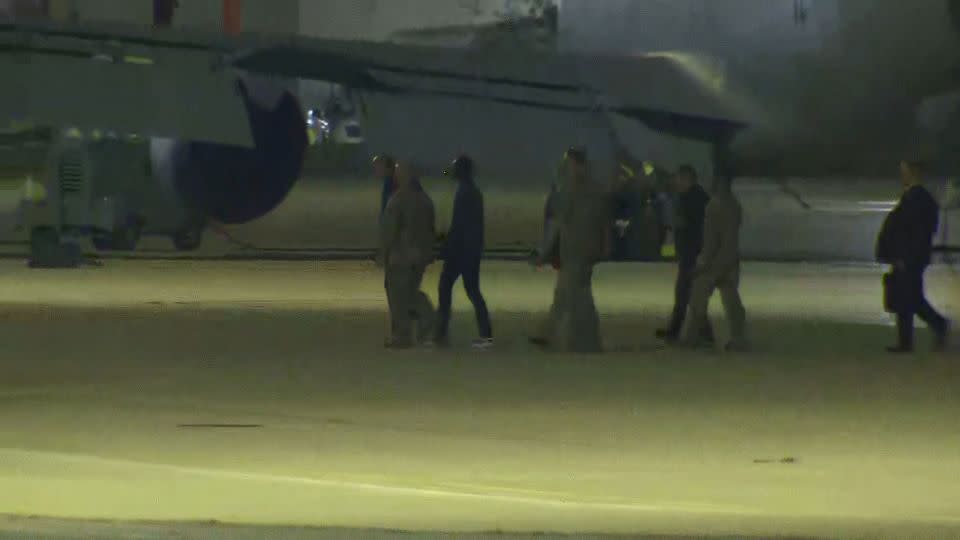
x,y
183,84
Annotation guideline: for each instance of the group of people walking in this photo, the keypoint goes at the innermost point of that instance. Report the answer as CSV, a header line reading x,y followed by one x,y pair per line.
x,y
706,233
578,218
407,239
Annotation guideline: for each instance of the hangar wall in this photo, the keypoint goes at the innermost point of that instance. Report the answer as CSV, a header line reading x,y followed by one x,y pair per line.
x,y
258,15
377,19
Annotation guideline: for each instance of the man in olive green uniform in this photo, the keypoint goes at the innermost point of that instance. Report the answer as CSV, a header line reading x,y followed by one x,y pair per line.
x,y
584,215
718,267
407,234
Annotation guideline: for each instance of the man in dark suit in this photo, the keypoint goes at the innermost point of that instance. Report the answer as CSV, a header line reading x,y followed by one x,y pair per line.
x,y
905,243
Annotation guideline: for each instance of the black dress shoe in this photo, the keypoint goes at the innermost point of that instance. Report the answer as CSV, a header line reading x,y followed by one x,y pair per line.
x,y
900,350
940,342
735,347
663,333
539,341
397,345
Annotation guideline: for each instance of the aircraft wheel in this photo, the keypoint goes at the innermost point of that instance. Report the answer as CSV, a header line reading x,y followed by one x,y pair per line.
x,y
46,250
189,237
123,238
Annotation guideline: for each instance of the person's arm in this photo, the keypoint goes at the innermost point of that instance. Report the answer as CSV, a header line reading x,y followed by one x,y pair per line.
x,y
551,229
385,193
711,239
914,237
696,227
455,234
389,228
550,205
551,239
884,248
482,223
432,233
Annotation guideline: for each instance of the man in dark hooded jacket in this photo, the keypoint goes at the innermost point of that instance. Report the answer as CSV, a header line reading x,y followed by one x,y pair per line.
x,y
462,254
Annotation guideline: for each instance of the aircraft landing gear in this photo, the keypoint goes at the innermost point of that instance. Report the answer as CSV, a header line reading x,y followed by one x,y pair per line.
x,y
189,236
49,250
123,237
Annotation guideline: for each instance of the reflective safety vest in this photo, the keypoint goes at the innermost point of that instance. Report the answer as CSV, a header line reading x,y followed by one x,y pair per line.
x,y
33,191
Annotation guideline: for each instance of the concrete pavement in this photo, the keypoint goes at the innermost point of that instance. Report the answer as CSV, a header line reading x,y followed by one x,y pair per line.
x,y
257,394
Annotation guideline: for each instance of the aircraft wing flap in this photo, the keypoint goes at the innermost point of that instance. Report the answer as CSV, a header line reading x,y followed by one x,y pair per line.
x,y
656,90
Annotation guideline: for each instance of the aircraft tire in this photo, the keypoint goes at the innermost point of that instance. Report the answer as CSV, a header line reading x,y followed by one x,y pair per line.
x,y
46,250
123,238
189,237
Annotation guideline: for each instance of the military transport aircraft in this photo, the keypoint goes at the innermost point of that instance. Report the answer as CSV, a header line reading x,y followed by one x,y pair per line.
x,y
800,87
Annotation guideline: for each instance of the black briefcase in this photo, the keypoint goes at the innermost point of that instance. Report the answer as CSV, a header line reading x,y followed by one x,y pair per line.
x,y
892,297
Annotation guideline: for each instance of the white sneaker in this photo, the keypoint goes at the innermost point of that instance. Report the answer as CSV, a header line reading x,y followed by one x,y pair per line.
x,y
482,344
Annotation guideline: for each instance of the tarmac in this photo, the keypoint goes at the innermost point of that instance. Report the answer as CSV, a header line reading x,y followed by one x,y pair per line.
x,y
254,399
323,218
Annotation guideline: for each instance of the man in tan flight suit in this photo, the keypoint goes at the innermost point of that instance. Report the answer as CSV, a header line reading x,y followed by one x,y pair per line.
x,y
584,215
718,267
407,233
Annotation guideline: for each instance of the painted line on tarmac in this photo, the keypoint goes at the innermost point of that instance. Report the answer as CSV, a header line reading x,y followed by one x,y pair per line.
x,y
67,390
681,508
553,495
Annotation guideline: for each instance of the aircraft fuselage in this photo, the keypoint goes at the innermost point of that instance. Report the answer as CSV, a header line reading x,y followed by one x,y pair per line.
x,y
827,86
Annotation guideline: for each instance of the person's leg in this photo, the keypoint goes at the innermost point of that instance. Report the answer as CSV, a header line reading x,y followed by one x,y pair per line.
x,y
471,284
391,292
681,300
925,311
936,321
904,331
421,308
448,276
548,331
400,299
908,291
733,308
583,326
697,313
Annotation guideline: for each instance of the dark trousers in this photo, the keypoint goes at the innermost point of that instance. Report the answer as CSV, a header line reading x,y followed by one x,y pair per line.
x,y
470,272
681,300
912,302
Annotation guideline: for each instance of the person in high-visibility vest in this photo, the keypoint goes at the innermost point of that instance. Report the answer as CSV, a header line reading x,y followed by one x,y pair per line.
x,y
32,195
34,192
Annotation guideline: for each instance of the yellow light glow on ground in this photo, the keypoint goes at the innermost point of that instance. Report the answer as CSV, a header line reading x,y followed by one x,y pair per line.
x,y
645,440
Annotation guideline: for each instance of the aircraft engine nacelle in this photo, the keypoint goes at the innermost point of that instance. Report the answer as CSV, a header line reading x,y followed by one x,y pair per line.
x,y
232,184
